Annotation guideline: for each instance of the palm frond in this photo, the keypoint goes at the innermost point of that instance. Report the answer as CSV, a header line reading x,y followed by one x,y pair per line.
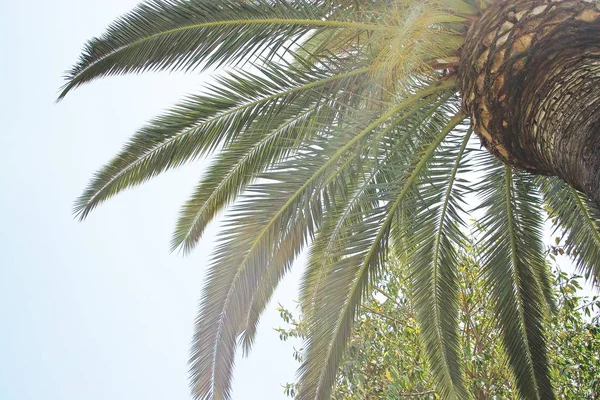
x,y
579,219
362,197
306,222
254,241
514,260
270,138
434,237
404,136
201,124
364,251
183,35
253,233
249,242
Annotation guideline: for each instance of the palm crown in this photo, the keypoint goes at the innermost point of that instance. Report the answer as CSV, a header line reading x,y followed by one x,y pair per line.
x,y
337,126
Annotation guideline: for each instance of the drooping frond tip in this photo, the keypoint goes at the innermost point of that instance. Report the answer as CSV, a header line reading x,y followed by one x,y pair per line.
x,y
179,35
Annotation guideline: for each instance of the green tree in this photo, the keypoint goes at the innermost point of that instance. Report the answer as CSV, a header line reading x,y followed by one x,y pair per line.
x,y
385,360
344,125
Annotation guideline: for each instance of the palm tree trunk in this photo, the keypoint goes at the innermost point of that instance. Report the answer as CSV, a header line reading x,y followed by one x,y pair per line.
x,y
530,80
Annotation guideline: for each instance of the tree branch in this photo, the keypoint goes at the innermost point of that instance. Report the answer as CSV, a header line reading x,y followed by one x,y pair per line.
x,y
397,321
416,394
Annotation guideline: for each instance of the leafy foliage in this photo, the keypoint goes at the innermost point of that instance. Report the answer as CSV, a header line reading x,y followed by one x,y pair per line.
x,y
384,359
575,343
334,126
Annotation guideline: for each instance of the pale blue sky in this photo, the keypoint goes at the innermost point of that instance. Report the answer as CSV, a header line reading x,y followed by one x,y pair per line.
x,y
100,309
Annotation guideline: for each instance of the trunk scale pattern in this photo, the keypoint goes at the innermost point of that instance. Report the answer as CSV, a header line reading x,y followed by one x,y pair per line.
x,y
530,79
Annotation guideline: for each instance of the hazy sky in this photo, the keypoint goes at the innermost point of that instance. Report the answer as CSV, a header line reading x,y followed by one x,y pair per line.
x,y
99,309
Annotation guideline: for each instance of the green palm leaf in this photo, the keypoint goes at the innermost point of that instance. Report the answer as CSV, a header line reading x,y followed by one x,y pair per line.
x,y
246,250
346,280
514,259
435,235
271,137
255,233
198,126
579,218
403,135
184,35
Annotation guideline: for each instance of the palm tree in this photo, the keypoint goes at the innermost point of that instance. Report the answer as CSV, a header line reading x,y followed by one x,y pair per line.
x,y
343,126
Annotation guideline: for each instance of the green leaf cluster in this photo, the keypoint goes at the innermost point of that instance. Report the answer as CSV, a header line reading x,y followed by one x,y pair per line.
x,y
385,358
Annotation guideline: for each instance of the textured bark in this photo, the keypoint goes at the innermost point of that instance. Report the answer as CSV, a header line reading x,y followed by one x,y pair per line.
x,y
530,80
